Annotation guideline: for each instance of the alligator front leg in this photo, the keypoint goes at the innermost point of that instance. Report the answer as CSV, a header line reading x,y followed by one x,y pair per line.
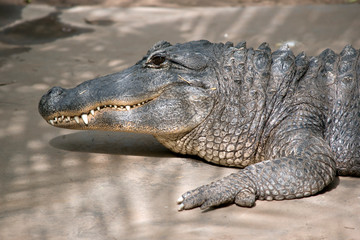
x,y
307,169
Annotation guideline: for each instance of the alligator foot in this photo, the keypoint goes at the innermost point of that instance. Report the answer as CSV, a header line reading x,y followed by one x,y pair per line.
x,y
218,193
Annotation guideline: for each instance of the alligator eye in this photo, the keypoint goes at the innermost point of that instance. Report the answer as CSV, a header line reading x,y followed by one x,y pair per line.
x,y
158,60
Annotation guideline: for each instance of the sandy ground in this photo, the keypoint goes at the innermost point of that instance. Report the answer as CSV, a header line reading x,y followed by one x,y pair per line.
x,y
63,184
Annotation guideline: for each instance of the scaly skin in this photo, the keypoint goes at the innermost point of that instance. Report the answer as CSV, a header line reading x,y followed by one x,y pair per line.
x,y
291,123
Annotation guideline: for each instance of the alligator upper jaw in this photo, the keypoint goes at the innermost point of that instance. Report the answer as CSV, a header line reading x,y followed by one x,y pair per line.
x,y
82,119
86,105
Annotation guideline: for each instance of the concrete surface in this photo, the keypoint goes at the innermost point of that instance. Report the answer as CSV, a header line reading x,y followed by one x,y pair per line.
x,y
63,184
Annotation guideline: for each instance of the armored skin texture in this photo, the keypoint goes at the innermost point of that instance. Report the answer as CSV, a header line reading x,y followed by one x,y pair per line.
x,y
291,123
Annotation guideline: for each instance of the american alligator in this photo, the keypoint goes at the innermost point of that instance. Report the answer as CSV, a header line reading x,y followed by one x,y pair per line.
x,y
291,123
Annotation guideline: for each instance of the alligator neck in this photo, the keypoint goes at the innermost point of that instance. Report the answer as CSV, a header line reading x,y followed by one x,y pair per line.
x,y
230,136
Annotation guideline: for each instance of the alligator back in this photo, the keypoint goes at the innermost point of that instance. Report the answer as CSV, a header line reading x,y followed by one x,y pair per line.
x,y
330,92
321,94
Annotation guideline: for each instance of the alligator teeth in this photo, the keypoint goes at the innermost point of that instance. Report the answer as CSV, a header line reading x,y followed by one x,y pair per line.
x,y
77,119
85,118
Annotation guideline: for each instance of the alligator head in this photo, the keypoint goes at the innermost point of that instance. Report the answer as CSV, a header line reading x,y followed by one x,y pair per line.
x,y
170,91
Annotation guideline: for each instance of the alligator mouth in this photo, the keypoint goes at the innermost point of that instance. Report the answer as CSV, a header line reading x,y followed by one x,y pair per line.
x,y
84,116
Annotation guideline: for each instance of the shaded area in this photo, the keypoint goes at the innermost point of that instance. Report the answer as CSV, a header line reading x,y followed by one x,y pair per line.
x,y
9,13
100,22
39,31
118,143
5,53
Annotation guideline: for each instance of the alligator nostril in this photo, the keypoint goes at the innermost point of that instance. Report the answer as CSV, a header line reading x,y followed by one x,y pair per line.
x,y
49,102
55,91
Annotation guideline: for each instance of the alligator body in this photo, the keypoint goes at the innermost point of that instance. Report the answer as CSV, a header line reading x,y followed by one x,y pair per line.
x,y
291,123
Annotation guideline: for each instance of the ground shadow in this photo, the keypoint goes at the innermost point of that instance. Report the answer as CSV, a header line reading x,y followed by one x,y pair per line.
x,y
119,143
40,31
331,186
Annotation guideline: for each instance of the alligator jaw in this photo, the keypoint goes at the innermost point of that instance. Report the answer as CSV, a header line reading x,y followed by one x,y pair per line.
x,y
84,118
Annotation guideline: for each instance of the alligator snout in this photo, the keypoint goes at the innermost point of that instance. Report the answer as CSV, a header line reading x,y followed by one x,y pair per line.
x,y
48,102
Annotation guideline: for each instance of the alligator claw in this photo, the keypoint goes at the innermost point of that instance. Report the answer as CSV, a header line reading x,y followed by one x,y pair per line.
x,y
180,200
181,207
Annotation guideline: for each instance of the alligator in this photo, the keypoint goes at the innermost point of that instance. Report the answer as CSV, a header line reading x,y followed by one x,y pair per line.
x,y
290,123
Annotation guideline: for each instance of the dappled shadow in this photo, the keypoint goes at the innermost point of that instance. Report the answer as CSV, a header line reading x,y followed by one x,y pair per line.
x,y
40,31
9,13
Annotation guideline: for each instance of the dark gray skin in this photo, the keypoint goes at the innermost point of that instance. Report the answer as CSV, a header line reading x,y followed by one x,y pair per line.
x,y
291,123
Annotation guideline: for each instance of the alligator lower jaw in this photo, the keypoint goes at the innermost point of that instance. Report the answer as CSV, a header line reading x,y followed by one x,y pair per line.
x,y
84,117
